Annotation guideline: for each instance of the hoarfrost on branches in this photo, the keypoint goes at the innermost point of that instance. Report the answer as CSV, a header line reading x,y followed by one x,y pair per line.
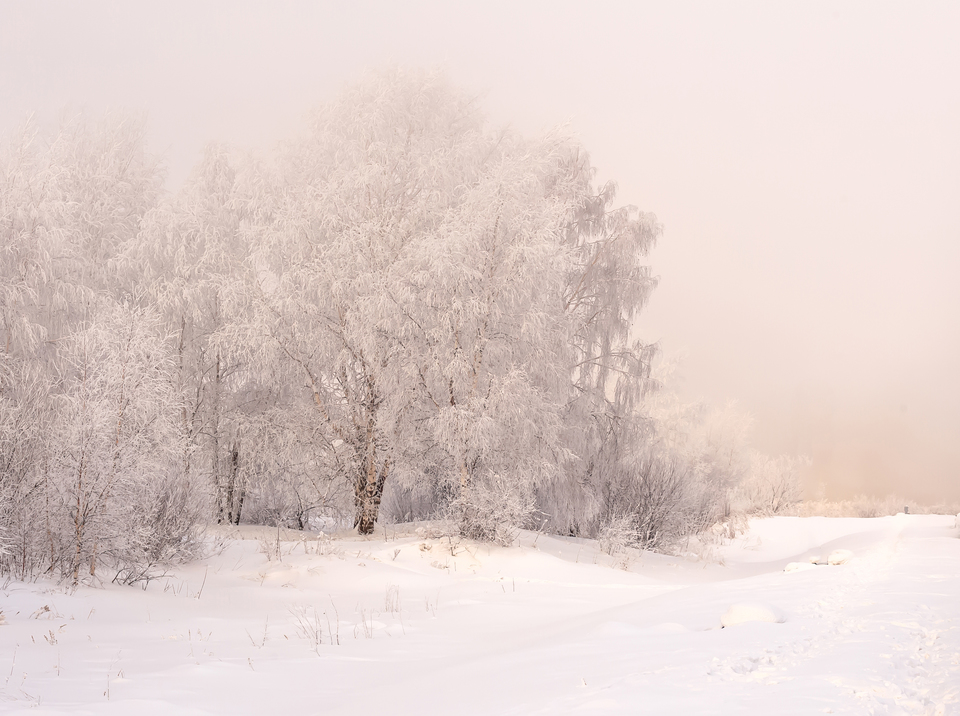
x,y
402,306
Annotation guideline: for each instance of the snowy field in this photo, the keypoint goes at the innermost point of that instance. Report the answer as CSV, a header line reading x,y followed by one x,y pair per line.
x,y
409,623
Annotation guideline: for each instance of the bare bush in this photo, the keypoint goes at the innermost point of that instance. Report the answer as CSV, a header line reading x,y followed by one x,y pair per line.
x,y
164,529
771,485
660,500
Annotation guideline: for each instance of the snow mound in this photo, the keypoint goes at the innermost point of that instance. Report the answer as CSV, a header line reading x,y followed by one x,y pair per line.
x,y
840,556
799,566
751,612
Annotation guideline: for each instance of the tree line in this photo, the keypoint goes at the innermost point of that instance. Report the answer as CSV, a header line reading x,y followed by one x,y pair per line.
x,y
401,314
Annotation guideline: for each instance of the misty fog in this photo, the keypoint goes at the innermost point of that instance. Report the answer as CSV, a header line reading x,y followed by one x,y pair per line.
x,y
802,158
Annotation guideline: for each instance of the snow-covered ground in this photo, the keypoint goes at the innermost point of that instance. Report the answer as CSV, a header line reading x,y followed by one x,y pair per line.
x,y
406,623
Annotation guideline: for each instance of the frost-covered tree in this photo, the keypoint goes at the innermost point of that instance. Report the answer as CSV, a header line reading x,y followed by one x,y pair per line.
x,y
68,204
455,301
485,332
25,421
25,243
71,202
26,249
374,176
607,286
189,257
112,479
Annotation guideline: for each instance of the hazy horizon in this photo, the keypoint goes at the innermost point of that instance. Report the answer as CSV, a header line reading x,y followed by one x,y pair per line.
x,y
803,158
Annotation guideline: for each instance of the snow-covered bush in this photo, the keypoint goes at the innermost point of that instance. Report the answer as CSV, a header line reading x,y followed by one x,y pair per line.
x,y
663,500
673,468
617,533
163,528
493,510
24,449
113,488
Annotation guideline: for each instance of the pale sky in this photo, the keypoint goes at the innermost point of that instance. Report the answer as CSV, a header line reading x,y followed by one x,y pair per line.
x,y
804,159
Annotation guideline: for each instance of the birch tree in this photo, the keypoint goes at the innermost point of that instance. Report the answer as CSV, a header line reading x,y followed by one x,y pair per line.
x,y
607,284
487,335
374,175
190,255
446,293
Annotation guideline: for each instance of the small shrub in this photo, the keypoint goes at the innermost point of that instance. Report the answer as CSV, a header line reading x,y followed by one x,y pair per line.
x,y
617,534
493,511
